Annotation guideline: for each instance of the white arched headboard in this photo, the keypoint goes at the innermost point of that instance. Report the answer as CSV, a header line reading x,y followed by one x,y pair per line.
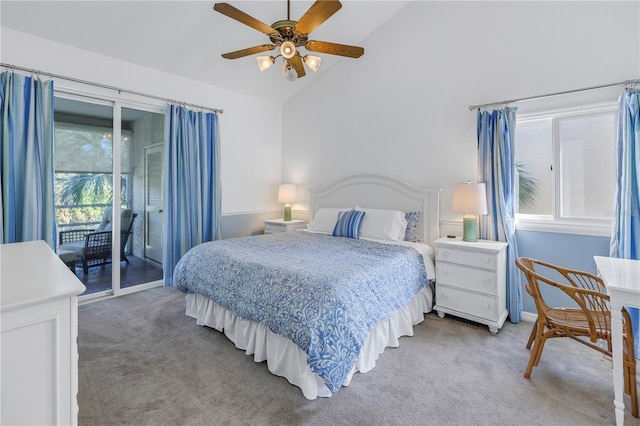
x,y
381,192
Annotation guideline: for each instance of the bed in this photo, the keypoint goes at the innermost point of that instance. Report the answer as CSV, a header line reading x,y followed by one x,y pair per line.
x,y
318,307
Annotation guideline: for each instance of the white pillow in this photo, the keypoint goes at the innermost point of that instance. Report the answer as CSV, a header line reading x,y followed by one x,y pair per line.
x,y
383,224
325,220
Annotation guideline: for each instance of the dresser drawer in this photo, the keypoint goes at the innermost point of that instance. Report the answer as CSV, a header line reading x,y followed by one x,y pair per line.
x,y
469,258
479,280
478,305
270,228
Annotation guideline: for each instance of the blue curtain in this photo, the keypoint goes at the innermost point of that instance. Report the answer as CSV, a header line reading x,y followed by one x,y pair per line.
x,y
625,238
192,199
496,168
26,160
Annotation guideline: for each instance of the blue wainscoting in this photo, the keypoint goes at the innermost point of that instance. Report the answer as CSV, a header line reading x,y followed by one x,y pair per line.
x,y
567,250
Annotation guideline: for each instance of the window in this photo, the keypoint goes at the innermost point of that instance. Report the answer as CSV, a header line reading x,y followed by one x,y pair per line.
x,y
566,167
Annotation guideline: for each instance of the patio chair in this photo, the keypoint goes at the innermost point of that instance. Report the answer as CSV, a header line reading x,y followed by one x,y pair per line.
x,y
588,322
93,247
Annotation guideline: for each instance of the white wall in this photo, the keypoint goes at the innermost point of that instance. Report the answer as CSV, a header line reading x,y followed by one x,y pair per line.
x,y
402,108
250,128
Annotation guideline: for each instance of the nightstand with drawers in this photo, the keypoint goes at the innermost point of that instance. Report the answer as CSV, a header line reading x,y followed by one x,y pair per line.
x,y
273,226
471,280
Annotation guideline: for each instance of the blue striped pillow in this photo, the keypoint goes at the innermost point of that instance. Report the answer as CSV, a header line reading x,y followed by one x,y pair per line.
x,y
348,224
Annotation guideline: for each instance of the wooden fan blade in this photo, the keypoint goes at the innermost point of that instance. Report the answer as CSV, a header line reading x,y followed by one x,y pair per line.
x,y
319,12
248,51
240,16
334,49
296,63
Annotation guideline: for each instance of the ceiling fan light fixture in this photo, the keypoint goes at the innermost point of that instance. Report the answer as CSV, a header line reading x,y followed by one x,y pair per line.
x,y
290,74
265,62
288,50
287,35
312,62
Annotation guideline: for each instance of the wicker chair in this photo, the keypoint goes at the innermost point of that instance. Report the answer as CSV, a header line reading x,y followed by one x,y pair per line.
x,y
93,247
588,322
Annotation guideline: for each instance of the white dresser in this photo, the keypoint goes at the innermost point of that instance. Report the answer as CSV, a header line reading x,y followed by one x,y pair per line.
x,y
39,320
471,280
279,225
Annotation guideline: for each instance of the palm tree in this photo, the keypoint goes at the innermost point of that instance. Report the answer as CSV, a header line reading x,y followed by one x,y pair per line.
x,y
527,187
86,188
82,197
83,182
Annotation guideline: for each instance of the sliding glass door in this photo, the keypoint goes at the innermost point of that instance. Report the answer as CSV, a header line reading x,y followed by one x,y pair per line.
x,y
145,133
95,141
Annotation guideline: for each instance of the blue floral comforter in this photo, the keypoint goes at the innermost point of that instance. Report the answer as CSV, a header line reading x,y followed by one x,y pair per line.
x,y
324,293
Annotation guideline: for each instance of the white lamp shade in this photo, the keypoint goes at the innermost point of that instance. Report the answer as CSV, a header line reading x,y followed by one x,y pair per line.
x,y
287,193
469,198
313,62
265,62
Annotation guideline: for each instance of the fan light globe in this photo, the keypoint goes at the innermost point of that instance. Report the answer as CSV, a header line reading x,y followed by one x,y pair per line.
x,y
265,62
312,62
290,74
287,50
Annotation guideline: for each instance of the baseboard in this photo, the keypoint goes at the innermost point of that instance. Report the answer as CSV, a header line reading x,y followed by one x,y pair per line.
x,y
528,316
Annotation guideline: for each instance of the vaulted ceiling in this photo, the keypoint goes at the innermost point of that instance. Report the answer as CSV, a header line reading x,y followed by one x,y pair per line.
x,y
186,38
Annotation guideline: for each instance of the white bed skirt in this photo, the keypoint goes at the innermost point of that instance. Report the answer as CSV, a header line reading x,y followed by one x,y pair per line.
x,y
285,359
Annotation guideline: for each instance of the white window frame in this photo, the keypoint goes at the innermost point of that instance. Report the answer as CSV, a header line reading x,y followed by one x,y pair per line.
x,y
556,222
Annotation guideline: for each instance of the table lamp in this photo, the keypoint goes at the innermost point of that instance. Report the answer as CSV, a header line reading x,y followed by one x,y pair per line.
x,y
471,200
287,194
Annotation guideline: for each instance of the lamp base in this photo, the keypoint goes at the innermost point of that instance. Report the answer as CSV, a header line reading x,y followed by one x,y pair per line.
x,y
287,213
470,229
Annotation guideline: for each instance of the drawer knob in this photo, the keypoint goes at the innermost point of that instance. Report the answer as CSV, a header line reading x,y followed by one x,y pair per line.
x,y
445,272
486,260
486,281
485,305
445,253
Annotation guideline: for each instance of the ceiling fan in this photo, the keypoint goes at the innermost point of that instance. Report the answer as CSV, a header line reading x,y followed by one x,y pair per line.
x,y
290,35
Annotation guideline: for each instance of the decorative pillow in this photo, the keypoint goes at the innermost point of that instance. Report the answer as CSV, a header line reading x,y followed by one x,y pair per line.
x,y
325,220
411,233
383,224
348,224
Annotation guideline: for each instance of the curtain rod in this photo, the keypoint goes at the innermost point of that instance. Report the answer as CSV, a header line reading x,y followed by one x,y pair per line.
x,y
549,95
105,86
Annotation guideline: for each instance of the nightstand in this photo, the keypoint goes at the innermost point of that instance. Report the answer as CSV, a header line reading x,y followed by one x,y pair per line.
x,y
278,225
471,280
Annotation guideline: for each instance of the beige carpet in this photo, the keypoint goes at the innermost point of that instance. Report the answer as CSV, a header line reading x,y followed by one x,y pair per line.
x,y
142,361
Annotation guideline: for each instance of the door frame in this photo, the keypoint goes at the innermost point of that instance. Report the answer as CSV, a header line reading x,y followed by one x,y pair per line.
x,y
105,97
156,146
